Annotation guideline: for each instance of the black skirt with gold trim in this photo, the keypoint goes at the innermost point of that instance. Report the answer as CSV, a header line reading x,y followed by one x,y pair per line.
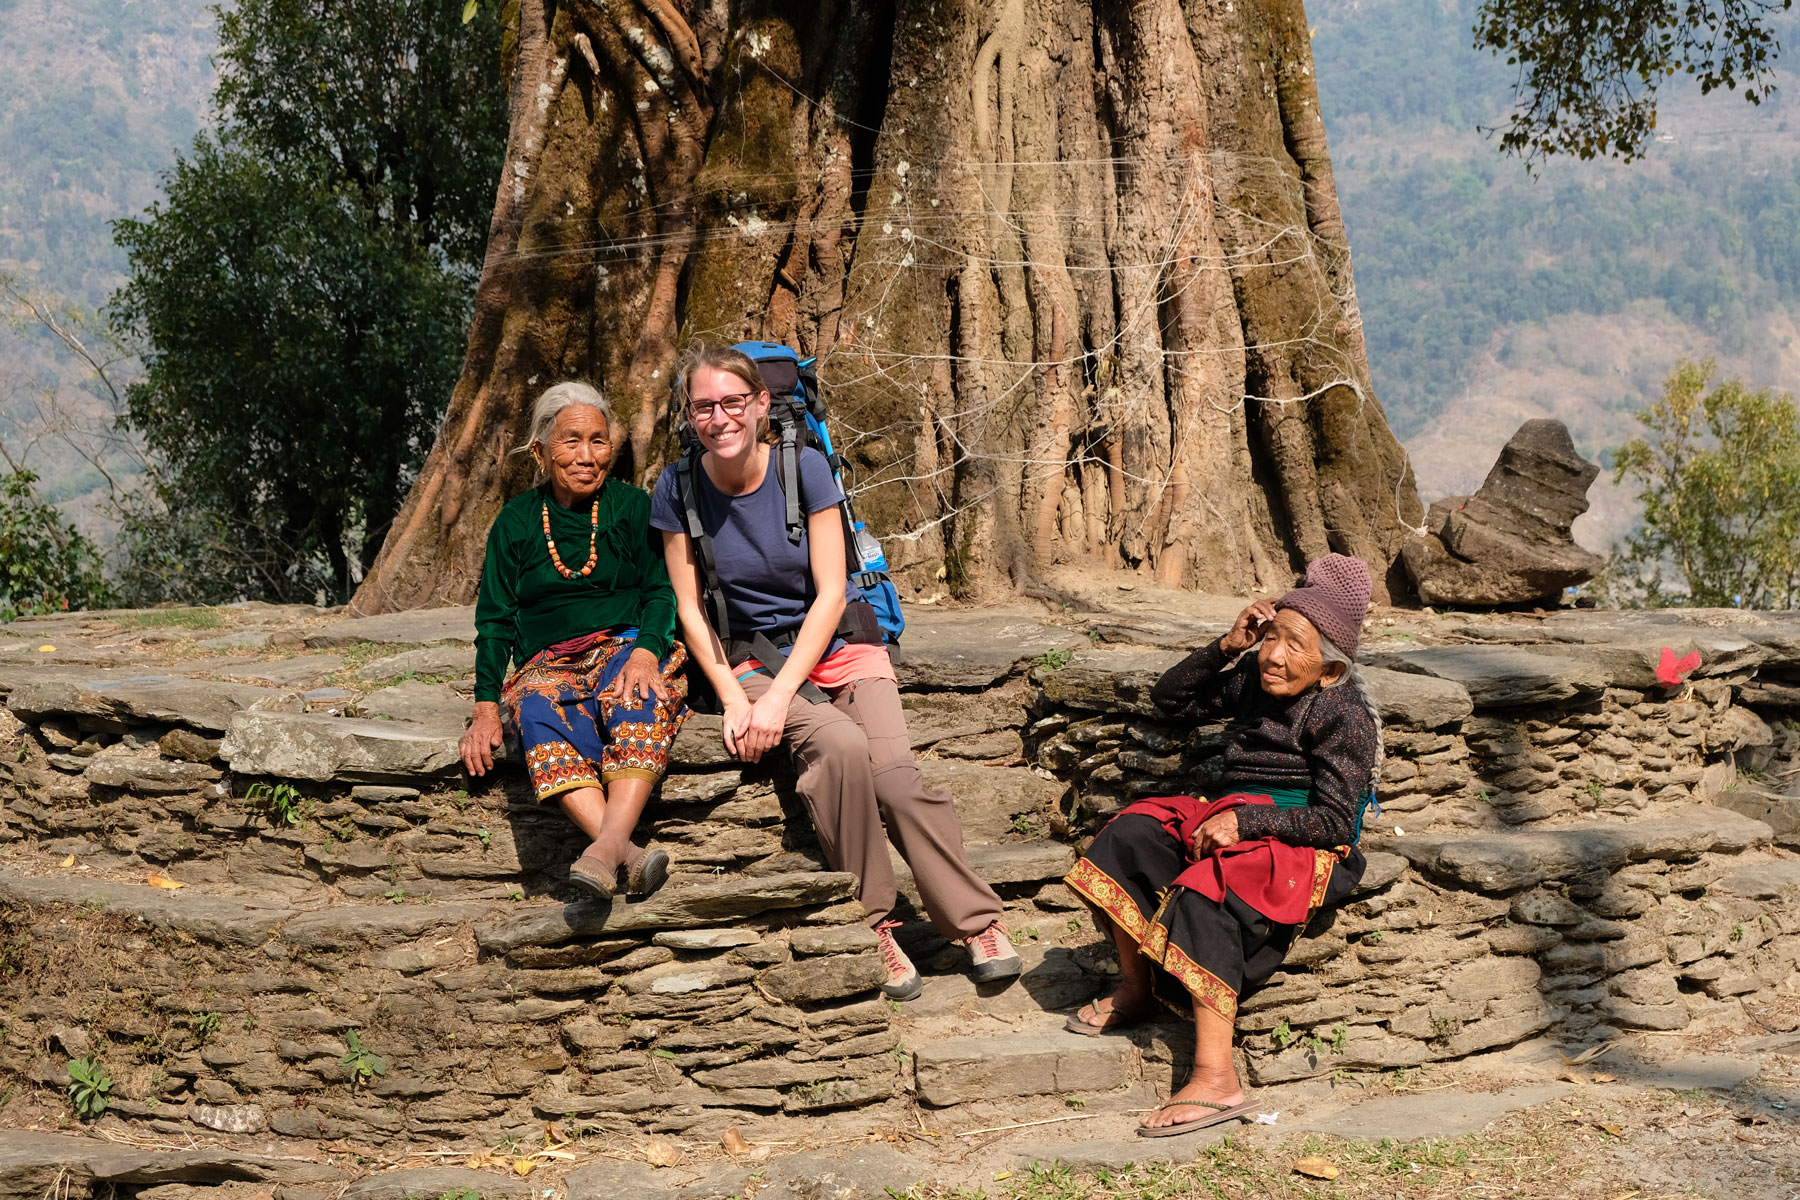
x,y
1204,951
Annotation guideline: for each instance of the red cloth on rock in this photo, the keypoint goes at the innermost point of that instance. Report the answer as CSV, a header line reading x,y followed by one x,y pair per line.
x,y
1284,883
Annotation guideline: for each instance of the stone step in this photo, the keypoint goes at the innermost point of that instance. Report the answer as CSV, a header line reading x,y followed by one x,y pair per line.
x,y
1505,862
34,1165
1046,1061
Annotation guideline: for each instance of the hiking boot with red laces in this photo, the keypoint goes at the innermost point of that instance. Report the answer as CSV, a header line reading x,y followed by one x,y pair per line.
x,y
903,982
991,955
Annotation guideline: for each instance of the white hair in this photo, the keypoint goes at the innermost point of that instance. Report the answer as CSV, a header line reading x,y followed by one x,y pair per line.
x,y
555,398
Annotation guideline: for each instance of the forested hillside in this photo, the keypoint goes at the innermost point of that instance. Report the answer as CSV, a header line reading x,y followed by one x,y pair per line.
x,y
96,97
1488,296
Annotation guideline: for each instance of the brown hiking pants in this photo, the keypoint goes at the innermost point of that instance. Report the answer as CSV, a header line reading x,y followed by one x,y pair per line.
x,y
857,774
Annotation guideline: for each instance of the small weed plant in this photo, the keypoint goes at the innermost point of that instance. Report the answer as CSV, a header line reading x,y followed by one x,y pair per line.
x,y
282,801
1053,660
89,1086
363,1064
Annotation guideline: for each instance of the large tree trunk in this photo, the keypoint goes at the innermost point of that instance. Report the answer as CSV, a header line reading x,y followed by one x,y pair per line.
x,y
1074,269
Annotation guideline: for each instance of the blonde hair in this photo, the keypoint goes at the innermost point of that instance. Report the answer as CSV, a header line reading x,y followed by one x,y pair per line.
x,y
723,358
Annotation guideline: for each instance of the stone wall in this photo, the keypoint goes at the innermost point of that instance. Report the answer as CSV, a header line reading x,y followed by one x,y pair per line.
x,y
1566,845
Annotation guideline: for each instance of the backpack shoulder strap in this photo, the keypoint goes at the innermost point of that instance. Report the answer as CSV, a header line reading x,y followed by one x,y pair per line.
x,y
703,550
790,476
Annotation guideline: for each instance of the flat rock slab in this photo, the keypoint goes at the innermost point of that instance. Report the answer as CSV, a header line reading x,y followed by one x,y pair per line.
x,y
432,660
436,706
1438,1115
676,906
1411,701
33,1163
222,920
420,627
343,926
1501,676
1028,1064
857,1173
197,703
320,747
1107,680
975,649
302,671
429,1183
1764,880
1720,1072
988,798
1506,862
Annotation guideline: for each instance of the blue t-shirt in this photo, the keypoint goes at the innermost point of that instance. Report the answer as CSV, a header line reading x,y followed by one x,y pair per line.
x,y
767,579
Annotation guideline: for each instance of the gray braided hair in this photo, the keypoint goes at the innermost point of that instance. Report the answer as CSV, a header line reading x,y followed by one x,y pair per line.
x,y
1329,651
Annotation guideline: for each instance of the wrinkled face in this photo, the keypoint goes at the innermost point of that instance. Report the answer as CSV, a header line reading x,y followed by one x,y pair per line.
x,y
725,412
1289,658
575,455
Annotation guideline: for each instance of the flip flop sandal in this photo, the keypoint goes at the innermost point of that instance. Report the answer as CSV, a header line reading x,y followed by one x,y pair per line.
x,y
1076,1025
1226,1112
645,870
594,875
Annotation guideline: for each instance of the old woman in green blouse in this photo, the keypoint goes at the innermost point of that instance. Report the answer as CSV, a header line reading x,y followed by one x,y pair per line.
x,y
576,597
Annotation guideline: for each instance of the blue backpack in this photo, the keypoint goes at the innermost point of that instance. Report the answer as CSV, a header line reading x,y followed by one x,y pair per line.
x,y
797,412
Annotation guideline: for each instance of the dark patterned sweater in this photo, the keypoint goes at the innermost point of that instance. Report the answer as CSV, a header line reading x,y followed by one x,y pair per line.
x,y
1322,739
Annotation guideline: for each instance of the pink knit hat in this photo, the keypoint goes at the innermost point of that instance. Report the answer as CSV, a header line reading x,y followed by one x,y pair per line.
x,y
1334,596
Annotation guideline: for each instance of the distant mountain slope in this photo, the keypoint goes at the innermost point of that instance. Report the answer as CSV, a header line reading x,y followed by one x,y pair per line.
x,y
96,97
1489,297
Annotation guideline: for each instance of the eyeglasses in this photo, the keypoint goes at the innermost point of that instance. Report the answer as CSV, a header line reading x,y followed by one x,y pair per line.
x,y
732,406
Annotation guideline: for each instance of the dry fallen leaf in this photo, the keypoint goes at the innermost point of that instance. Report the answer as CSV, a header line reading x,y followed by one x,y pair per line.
x,y
1571,1077
523,1166
46,649
69,861
1002,1175
1318,1168
1588,1055
661,1153
1603,1077
163,881
554,1132
1612,1129
734,1142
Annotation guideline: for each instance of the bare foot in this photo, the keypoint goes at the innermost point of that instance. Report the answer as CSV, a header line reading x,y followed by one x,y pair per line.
x,y
1185,1106
1124,1007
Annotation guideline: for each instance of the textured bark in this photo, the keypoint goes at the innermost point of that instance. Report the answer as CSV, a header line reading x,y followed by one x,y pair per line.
x,y
1074,269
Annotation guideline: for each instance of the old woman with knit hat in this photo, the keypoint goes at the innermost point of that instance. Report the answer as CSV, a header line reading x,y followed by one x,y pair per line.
x,y
1204,898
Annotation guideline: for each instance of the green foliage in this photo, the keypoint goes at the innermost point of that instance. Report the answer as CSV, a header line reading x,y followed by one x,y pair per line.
x,y
1053,660
1589,70
207,1024
45,565
304,291
89,1086
1719,472
282,801
363,1065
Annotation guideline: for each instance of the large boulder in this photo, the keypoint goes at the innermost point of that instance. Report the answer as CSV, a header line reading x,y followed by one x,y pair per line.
x,y
1509,543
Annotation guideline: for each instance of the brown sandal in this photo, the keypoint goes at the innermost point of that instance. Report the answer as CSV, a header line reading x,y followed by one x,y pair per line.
x,y
645,870
1110,1019
593,874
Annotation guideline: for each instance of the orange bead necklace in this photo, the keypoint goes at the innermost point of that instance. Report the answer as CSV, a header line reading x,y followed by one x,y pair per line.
x,y
593,544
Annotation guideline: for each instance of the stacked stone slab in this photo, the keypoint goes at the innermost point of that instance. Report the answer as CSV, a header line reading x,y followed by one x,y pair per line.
x,y
1547,856
1566,845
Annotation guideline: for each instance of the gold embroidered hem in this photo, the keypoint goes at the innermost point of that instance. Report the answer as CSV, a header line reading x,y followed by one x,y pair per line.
x,y
1108,897
1152,937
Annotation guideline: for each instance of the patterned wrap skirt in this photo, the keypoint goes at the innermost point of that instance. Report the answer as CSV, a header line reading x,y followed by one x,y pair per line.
x,y
1203,951
573,737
